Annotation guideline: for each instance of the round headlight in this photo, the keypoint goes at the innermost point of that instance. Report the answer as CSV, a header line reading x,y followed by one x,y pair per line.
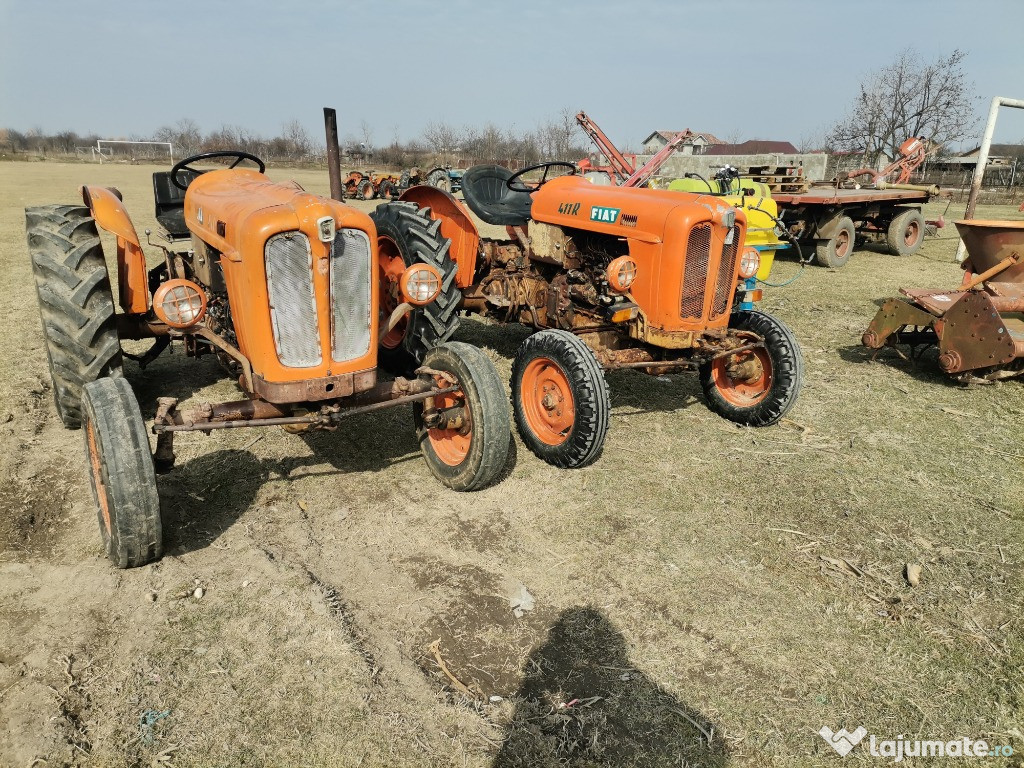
x,y
179,303
749,262
621,273
420,284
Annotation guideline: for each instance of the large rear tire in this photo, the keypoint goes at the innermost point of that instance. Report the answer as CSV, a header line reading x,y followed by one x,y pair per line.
x,y
837,250
75,303
560,399
473,456
406,235
439,178
766,387
905,233
121,473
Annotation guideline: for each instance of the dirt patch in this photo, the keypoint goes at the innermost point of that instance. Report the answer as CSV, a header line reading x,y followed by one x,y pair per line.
x,y
33,511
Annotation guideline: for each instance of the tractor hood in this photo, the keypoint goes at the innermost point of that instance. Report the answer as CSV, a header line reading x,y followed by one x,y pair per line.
x,y
636,214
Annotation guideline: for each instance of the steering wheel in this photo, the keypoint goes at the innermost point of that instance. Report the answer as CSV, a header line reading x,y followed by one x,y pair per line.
x,y
516,185
185,165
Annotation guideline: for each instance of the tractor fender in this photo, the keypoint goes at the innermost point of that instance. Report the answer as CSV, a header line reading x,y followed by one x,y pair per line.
x,y
132,277
456,224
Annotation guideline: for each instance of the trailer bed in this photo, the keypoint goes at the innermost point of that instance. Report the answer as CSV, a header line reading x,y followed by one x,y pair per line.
x,y
832,196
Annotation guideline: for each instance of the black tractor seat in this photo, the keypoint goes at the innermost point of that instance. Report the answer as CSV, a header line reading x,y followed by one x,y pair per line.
x,y
170,202
488,197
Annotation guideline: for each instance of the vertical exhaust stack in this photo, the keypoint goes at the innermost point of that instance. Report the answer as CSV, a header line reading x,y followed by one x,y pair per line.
x,y
333,156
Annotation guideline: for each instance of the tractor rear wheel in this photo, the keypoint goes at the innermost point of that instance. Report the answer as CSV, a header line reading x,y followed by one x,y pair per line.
x,y
364,190
560,399
836,251
386,191
121,473
905,233
758,387
406,235
439,178
75,303
473,455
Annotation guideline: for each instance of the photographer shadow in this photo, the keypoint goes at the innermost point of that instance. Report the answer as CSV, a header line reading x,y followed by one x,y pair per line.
x,y
582,703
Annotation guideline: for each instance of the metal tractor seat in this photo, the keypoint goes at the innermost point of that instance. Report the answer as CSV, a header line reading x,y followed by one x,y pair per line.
x,y
170,203
485,191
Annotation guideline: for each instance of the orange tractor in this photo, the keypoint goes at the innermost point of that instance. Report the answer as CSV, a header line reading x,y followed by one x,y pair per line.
x,y
282,287
610,278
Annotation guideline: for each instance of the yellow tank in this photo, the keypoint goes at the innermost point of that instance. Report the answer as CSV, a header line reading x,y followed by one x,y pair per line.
x,y
761,213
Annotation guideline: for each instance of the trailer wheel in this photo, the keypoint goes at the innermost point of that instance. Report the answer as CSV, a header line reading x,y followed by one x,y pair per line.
x,y
121,473
755,388
905,233
836,252
75,303
406,235
560,399
471,456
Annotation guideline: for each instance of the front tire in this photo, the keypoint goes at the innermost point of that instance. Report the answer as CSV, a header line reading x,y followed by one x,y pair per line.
x,y
121,473
473,456
75,303
406,235
905,233
560,399
836,251
766,387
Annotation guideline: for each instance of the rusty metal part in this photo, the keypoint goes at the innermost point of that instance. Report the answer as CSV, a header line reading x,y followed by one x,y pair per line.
x,y
973,330
325,417
892,316
333,156
1009,261
309,390
232,352
163,459
400,312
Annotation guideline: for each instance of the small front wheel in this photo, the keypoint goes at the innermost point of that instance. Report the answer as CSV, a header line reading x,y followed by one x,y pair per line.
x,y
560,398
757,387
465,436
121,472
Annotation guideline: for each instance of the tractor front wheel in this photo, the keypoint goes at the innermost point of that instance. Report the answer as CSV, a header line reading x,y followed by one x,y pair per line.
x,y
560,399
122,474
471,453
406,235
75,303
757,387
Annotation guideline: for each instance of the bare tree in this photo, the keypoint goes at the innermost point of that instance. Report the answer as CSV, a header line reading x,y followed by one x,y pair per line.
x,y
909,97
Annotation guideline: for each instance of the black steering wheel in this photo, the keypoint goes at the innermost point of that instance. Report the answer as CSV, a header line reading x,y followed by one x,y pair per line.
x,y
185,165
516,185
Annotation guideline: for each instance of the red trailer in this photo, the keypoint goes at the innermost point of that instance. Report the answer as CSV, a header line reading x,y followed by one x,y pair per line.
x,y
835,220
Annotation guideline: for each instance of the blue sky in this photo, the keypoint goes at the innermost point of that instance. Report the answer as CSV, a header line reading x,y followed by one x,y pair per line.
x,y
778,69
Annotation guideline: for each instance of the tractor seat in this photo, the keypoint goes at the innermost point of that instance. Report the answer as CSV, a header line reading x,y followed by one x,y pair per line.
x,y
170,203
483,187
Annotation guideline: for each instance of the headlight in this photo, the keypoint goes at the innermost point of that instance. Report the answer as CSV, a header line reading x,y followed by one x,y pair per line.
x,y
621,273
420,284
749,262
179,303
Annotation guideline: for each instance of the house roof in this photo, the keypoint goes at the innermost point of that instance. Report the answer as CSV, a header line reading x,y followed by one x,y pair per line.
x,y
753,147
710,138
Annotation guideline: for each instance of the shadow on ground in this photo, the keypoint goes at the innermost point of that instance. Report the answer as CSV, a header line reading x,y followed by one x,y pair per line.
x,y
582,703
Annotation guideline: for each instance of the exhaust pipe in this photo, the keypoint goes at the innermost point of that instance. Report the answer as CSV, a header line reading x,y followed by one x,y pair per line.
x,y
333,155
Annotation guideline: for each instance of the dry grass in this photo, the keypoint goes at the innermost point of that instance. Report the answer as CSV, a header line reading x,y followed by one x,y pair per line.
x,y
708,595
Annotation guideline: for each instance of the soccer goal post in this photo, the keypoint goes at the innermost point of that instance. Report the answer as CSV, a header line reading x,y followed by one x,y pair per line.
x,y
105,148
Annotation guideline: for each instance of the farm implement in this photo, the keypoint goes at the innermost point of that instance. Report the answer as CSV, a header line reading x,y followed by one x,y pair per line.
x,y
281,286
978,327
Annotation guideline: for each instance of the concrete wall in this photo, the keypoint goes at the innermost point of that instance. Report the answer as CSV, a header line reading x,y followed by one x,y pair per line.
x,y
814,165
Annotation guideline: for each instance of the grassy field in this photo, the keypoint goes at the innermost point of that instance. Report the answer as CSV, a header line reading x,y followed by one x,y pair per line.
x,y
705,595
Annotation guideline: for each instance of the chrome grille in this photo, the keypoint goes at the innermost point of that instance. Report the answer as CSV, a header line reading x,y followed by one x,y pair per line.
x,y
726,283
292,304
695,274
350,294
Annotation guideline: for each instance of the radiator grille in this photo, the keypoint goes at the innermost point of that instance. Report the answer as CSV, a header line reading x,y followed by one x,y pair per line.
x,y
726,283
350,295
695,274
289,263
